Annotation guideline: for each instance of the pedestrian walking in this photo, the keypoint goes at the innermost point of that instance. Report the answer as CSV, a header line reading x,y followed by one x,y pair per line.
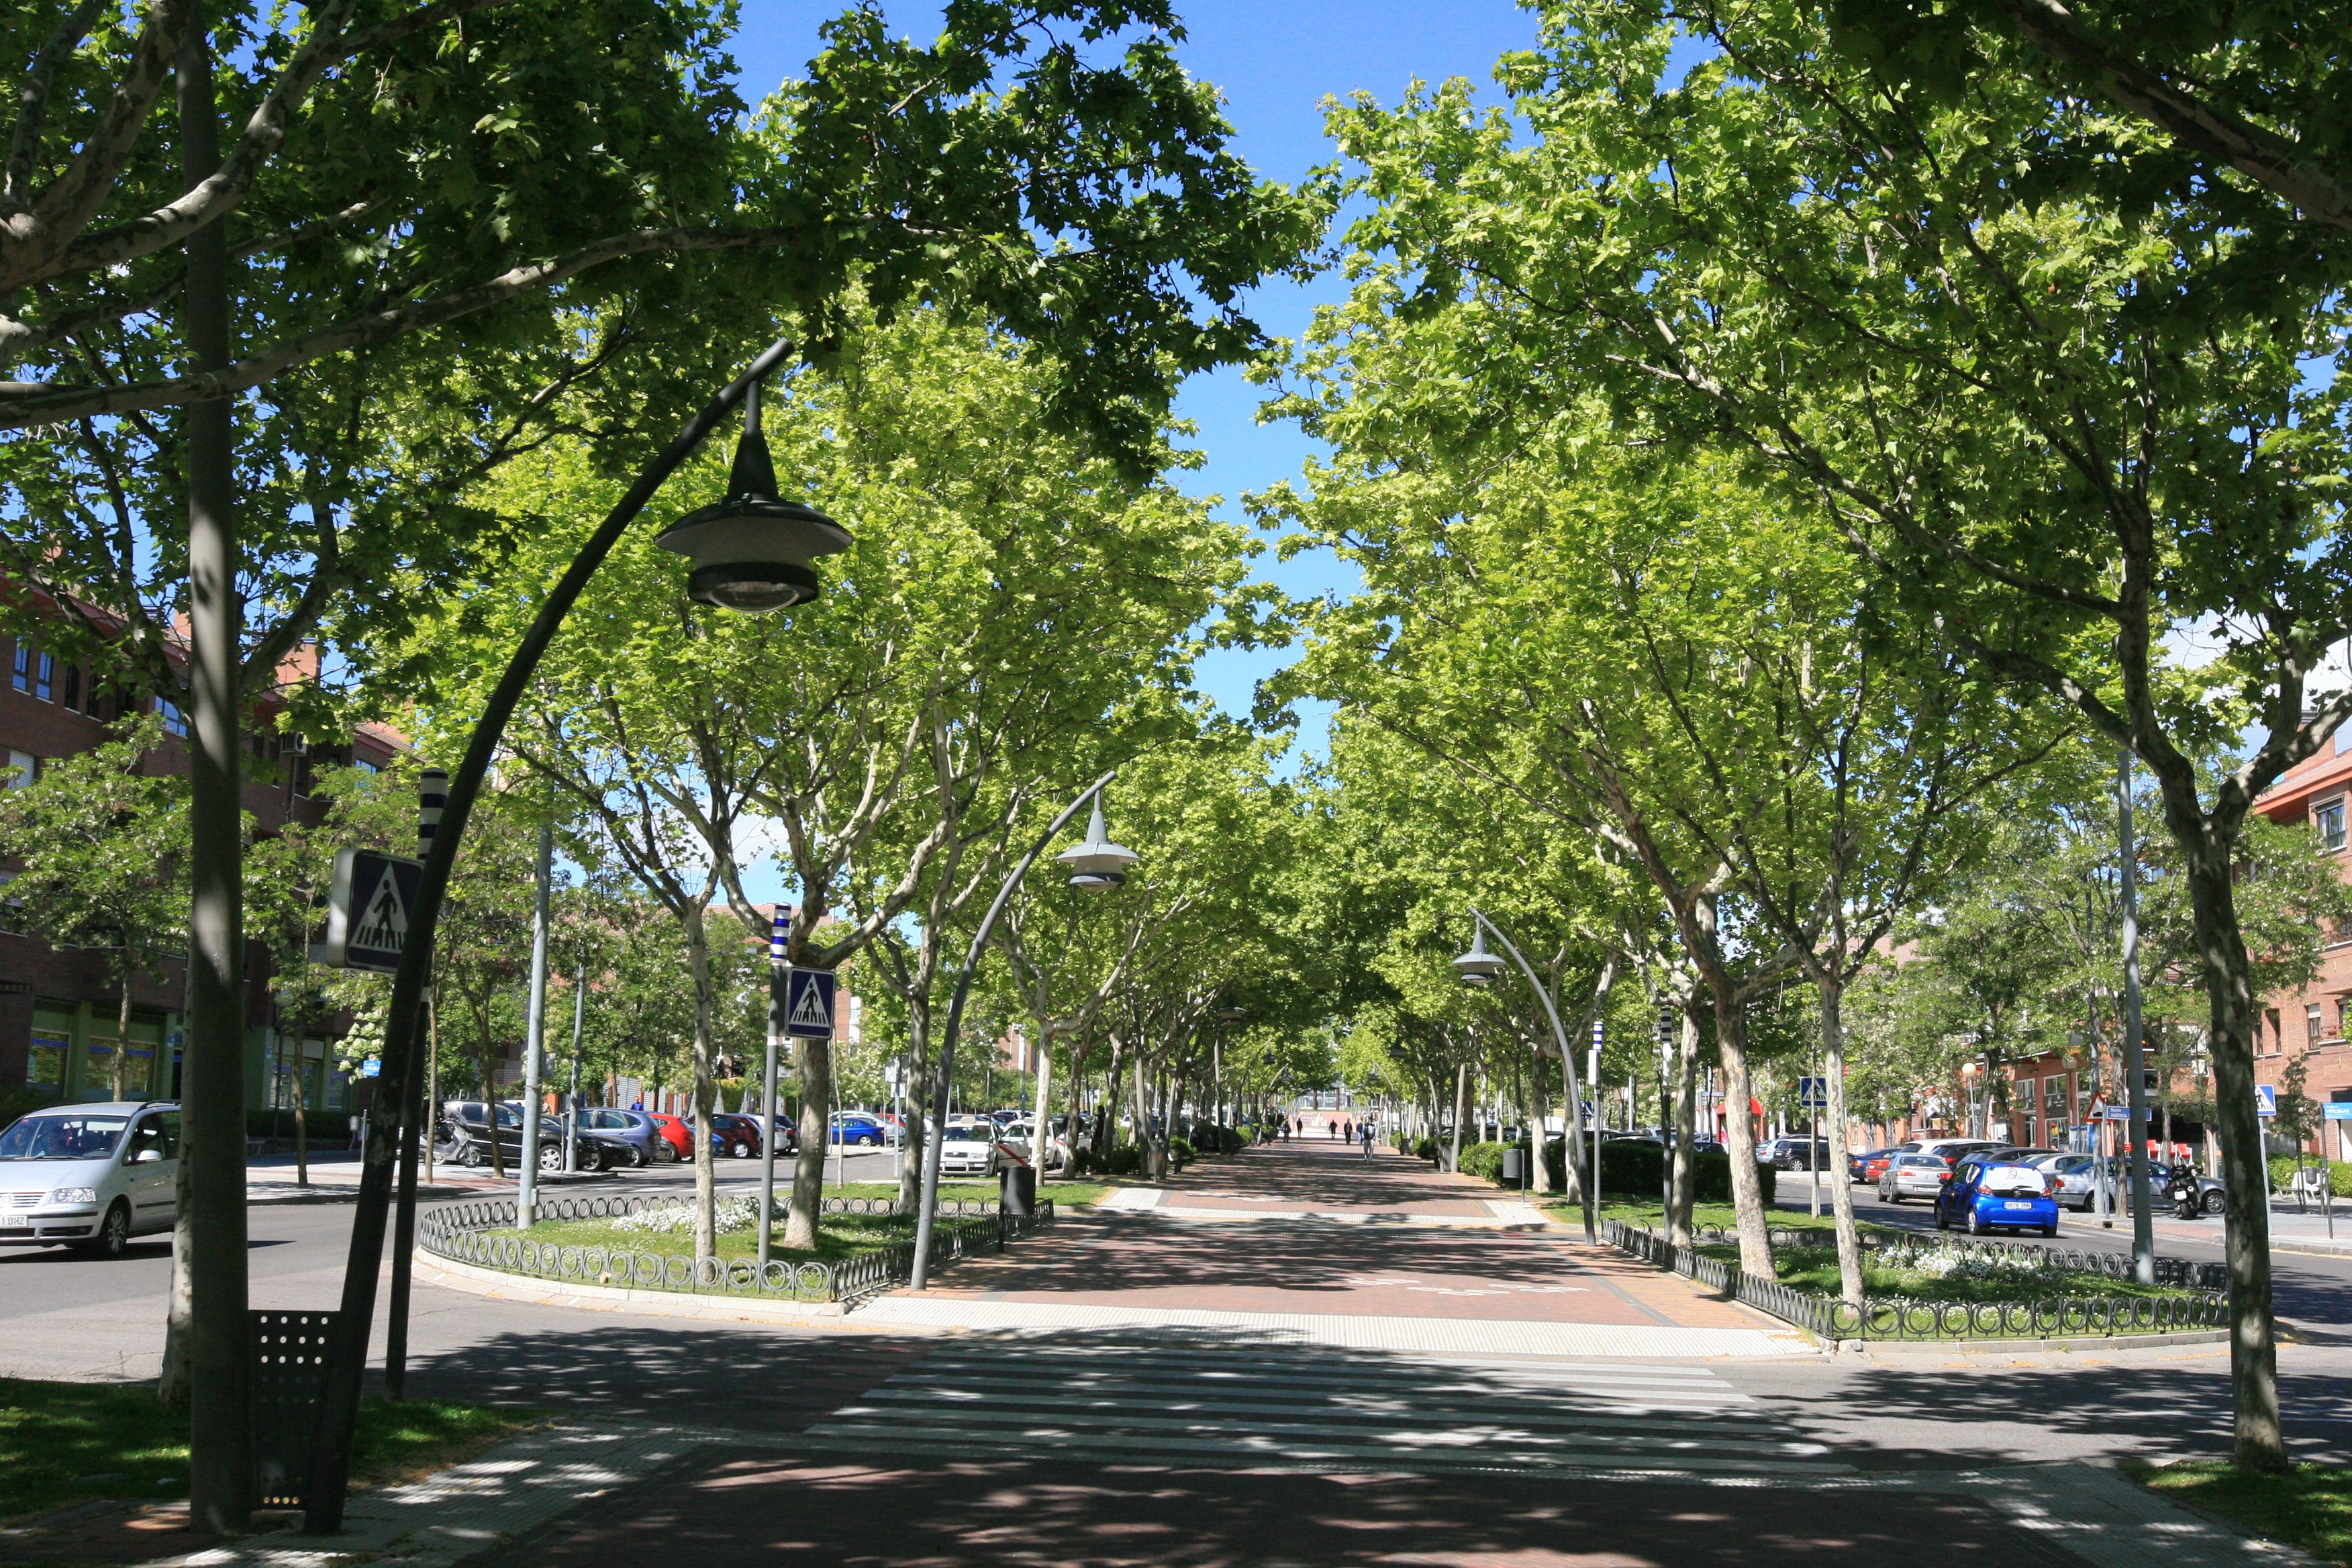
x,y
1364,1133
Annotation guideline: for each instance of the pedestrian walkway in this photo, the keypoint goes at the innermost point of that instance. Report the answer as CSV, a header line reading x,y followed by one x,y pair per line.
x,y
1311,1245
1106,1398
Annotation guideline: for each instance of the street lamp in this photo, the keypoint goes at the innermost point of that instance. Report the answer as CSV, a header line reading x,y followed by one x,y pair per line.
x,y
1097,865
1096,858
1479,967
750,551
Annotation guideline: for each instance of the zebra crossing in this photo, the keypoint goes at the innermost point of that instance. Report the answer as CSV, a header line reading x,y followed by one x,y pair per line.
x,y
1238,1407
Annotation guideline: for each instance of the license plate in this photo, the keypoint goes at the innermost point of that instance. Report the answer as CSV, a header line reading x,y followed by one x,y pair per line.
x,y
2017,1206
10,1222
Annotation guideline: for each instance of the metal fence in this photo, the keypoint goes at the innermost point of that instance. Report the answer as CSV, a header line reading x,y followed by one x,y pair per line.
x,y
2186,1273
1906,1317
482,1233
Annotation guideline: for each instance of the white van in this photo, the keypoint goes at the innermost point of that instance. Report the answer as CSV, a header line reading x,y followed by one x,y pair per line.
x,y
92,1176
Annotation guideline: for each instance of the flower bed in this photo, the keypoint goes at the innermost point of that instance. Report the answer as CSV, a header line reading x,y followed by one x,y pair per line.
x,y
483,1234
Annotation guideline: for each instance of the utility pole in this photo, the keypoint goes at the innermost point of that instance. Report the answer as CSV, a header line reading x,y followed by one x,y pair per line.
x,y
2134,1074
534,1037
776,1002
578,1027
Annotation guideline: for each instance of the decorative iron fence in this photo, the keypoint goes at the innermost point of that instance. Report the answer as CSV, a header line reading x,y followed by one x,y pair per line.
x,y
1906,1317
481,1232
2184,1272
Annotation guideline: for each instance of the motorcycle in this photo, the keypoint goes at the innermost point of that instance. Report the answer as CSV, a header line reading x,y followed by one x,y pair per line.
x,y
2181,1192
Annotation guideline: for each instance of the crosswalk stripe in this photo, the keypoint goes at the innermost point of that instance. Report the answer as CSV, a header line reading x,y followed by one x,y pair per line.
x,y
1124,1403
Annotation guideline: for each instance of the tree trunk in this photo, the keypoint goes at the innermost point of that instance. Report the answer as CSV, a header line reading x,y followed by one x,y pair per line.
x,y
1461,1113
1740,1130
122,1031
1537,1138
1041,1141
211,1113
2246,1243
918,1052
1685,1150
1848,1242
706,1094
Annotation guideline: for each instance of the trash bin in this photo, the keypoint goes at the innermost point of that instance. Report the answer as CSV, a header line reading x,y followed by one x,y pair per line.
x,y
1017,1190
1514,1166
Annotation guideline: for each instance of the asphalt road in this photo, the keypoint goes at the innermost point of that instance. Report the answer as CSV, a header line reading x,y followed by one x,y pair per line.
x,y
66,1315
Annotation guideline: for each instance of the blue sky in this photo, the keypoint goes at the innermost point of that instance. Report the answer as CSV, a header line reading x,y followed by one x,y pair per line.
x,y
1273,63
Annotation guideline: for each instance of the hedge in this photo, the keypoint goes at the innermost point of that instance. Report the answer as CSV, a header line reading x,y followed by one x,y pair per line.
x,y
1628,1169
2339,1175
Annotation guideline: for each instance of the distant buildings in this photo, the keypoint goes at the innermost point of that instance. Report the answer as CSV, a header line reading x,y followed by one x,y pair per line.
x,y
58,1005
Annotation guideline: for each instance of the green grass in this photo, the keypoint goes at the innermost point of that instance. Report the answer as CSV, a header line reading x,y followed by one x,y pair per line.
x,y
839,1236
2309,1506
63,1443
1066,1194
1814,1270
1722,1214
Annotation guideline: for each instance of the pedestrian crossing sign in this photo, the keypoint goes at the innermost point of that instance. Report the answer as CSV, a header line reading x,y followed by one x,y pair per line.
x,y
808,1003
369,904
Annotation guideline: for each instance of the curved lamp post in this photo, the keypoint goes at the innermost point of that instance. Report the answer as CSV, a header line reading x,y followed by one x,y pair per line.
x,y
1097,864
1479,967
750,551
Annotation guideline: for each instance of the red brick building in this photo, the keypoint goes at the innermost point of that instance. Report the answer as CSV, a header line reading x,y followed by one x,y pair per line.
x,y
2309,1026
58,1005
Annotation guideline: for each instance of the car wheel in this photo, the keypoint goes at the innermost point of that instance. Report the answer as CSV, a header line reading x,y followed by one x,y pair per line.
x,y
2214,1203
472,1158
551,1156
1977,1226
1941,1222
113,1237
865,1140
1895,1197
2050,1229
638,1157
666,1152
739,1151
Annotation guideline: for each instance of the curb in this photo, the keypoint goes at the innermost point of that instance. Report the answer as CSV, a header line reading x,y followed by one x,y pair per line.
x,y
531,1291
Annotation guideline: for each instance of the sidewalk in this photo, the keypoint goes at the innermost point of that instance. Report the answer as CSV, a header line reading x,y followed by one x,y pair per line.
x,y
1309,1245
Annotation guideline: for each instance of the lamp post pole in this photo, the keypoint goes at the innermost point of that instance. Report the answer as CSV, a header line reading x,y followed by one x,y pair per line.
x,y
346,1357
1559,1037
927,1210
776,999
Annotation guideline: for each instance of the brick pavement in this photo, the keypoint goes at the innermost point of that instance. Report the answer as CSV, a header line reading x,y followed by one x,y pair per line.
x,y
1292,1259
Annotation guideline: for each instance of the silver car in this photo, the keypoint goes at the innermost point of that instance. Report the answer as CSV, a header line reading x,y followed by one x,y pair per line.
x,y
92,1176
2073,1173
1913,1176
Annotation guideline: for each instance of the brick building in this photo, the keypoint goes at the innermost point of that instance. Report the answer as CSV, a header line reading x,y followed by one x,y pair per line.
x,y
2309,1026
58,1005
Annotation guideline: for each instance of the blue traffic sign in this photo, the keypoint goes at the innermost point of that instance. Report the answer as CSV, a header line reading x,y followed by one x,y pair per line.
x,y
1813,1092
368,907
808,1003
2337,1111
2265,1099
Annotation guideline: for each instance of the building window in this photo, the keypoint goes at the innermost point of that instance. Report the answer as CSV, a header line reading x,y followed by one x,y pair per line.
x,y
2343,1015
2278,1032
2328,822
73,687
23,676
2311,1025
45,677
23,768
2053,1098
174,721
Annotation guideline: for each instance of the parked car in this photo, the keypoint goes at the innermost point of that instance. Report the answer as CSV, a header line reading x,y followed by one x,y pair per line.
x,y
91,1176
1913,1176
1986,1196
854,1127
1022,1135
631,1136
2071,1179
973,1149
1953,1149
676,1130
736,1137
1857,1164
1795,1153
463,1138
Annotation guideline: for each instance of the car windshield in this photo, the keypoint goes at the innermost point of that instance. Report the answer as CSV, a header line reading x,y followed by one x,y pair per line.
x,y
85,1137
967,1135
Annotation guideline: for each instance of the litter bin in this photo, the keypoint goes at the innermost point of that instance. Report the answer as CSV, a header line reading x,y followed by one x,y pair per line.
x,y
1017,1190
1514,1166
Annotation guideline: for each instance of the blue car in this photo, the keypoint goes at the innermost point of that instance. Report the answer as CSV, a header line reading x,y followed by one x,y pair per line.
x,y
1985,1196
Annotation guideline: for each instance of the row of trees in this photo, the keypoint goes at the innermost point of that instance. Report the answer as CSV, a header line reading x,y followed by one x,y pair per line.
x,y
1774,444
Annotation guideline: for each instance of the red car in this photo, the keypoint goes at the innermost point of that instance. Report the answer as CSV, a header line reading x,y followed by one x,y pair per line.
x,y
1874,1166
678,1130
